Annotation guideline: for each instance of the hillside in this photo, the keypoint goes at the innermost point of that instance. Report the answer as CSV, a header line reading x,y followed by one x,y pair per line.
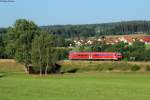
x,y
88,30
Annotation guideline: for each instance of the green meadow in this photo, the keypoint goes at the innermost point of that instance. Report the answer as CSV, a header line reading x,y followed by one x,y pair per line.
x,y
17,85
81,86
147,46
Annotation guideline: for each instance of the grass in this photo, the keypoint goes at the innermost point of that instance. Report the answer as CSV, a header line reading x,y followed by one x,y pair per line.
x,y
103,66
147,46
83,86
91,85
9,65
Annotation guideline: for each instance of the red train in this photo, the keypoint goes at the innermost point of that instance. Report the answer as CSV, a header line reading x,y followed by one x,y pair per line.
x,y
95,56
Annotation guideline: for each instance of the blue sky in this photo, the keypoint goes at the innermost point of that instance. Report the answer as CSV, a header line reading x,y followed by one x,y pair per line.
x,y
52,12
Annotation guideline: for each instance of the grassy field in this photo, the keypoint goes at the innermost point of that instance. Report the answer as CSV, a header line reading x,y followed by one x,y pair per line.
x,y
10,65
16,85
83,86
147,46
104,66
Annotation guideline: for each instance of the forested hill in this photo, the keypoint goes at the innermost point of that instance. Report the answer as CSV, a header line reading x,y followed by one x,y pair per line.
x,y
88,30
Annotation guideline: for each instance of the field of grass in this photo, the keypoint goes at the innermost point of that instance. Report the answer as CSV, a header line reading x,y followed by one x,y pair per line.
x,y
104,66
10,65
90,85
147,46
83,86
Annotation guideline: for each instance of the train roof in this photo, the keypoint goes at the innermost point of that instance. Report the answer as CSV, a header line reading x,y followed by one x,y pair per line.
x,y
93,52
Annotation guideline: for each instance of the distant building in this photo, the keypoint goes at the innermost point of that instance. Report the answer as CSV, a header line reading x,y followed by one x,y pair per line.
x,y
129,39
114,40
146,39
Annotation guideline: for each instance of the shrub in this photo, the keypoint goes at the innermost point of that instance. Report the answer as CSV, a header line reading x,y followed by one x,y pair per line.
x,y
118,66
135,68
110,68
148,68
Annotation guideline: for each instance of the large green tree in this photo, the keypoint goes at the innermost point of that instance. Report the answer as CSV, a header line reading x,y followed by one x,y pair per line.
x,y
19,38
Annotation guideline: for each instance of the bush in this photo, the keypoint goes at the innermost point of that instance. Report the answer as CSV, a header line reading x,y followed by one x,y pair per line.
x,y
110,68
148,68
117,66
135,68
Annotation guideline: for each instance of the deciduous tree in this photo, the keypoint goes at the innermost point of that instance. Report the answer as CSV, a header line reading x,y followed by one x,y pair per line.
x,y
44,55
19,38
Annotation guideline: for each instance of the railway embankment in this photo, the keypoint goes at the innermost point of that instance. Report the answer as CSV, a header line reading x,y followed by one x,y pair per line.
x,y
104,66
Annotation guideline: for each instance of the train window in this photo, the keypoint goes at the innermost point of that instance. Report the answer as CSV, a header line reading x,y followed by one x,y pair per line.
x,y
82,55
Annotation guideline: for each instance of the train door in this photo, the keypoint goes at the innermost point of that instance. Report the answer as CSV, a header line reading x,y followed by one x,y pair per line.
x,y
90,55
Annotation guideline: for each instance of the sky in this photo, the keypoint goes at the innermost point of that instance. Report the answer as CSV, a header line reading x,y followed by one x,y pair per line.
x,y
62,12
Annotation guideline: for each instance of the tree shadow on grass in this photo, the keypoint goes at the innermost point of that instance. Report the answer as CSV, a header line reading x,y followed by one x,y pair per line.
x,y
2,75
74,70
54,70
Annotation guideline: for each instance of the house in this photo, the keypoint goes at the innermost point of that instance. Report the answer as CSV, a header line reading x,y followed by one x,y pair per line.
x,y
146,39
112,41
128,39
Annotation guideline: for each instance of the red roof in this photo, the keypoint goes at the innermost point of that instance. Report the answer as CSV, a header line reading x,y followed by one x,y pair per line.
x,y
128,38
146,39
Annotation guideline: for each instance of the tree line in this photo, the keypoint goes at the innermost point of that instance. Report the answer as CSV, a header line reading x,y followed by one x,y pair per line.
x,y
92,30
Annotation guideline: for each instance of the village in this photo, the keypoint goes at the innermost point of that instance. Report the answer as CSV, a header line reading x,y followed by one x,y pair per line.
x,y
111,40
